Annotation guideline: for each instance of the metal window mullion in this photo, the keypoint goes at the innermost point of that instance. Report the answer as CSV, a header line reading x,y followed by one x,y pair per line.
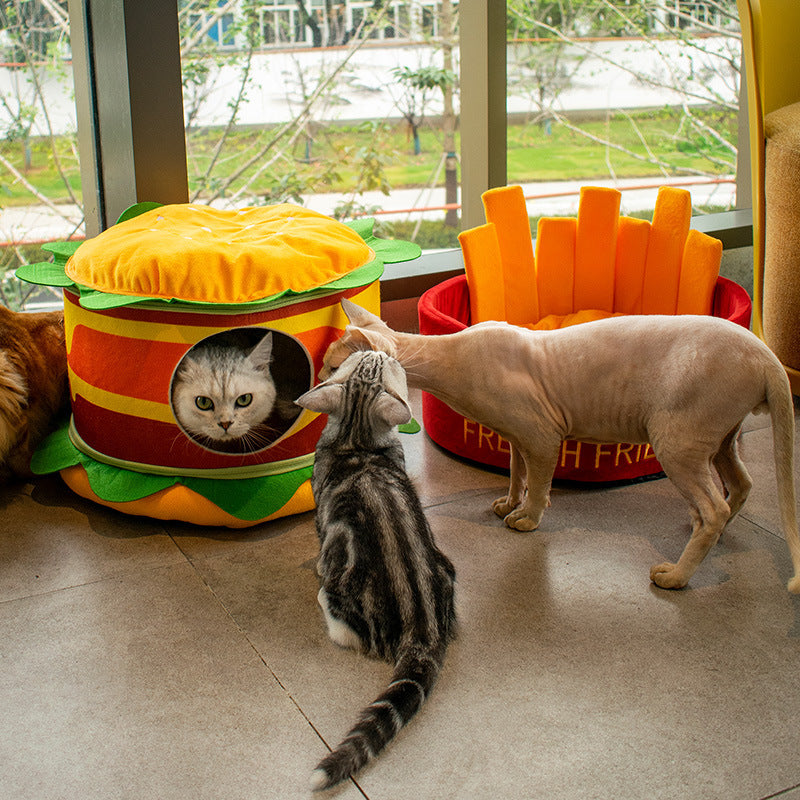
x,y
482,35
131,137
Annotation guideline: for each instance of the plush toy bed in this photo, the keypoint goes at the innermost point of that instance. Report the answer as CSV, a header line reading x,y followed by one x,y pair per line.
x,y
584,268
157,290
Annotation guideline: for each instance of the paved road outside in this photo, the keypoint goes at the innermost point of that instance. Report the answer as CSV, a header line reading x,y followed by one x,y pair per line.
x,y
43,224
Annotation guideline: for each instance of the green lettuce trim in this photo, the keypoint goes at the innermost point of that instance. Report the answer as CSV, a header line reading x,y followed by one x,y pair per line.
x,y
363,276
46,273
412,426
248,499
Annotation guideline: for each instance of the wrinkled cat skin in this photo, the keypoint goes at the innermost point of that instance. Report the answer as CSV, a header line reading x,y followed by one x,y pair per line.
x,y
682,383
33,385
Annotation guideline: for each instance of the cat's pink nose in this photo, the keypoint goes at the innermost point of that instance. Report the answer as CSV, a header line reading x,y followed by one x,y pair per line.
x,y
225,424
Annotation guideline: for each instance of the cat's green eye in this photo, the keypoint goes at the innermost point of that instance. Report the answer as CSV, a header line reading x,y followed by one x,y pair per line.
x,y
204,403
244,400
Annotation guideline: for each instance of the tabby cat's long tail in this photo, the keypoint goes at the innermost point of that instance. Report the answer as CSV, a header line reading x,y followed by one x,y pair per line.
x,y
414,676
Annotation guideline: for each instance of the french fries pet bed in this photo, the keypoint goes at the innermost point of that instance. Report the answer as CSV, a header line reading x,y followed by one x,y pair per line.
x,y
189,333
593,266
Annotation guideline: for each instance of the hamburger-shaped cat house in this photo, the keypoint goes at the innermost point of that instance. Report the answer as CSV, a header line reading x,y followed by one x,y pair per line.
x,y
190,331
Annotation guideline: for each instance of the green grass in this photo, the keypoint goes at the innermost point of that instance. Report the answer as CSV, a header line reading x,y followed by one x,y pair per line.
x,y
537,153
43,171
350,158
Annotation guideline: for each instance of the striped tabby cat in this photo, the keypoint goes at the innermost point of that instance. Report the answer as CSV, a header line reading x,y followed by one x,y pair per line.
x,y
385,587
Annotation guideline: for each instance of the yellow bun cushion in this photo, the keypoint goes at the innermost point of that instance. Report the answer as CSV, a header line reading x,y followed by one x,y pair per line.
x,y
200,254
181,503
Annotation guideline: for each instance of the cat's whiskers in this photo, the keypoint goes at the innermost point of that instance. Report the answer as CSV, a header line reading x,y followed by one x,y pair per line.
x,y
411,359
258,437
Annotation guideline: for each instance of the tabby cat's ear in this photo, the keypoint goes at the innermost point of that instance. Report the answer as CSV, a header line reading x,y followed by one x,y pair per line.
x,y
324,398
359,316
391,409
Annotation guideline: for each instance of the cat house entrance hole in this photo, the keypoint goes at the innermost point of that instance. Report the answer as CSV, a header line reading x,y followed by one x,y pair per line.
x,y
233,391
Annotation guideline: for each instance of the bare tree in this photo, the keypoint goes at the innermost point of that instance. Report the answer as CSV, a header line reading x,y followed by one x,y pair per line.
x,y
695,61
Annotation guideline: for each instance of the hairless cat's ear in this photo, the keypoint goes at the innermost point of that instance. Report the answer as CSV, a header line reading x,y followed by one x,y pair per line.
x,y
367,339
324,398
357,315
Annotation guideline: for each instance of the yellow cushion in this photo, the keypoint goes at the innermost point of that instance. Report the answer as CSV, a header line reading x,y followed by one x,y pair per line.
x,y
202,254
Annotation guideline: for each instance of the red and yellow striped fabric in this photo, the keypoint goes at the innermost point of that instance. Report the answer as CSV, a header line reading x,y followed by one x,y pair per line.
x,y
121,363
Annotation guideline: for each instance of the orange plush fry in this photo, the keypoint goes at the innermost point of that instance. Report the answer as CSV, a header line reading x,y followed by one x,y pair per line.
x,y
484,270
505,207
596,248
555,264
632,237
553,322
668,231
699,273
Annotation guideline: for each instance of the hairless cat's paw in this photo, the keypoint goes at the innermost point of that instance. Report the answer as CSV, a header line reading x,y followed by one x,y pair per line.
x,y
666,576
502,507
520,520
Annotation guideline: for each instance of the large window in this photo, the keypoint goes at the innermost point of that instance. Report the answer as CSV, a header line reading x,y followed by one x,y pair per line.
x,y
351,108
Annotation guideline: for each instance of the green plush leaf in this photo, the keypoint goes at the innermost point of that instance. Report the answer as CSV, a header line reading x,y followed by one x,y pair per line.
x,y
358,277
362,226
55,453
393,251
44,273
390,251
116,485
250,498
136,209
123,485
62,251
410,427
100,301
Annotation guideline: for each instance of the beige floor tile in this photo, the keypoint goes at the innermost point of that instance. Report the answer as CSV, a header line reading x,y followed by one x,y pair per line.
x,y
572,675
52,539
142,687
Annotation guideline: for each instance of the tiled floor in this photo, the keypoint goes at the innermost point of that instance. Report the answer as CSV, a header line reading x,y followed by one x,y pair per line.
x,y
146,660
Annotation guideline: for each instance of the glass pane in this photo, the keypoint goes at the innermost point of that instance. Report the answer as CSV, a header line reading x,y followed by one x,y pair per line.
x,y
315,105
624,94
40,184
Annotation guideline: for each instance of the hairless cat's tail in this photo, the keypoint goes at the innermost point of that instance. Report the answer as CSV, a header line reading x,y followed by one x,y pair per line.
x,y
414,675
781,409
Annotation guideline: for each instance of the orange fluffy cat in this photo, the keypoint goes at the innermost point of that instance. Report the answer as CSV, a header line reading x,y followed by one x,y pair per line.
x,y
33,384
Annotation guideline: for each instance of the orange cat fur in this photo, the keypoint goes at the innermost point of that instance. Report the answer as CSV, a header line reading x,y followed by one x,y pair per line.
x,y
33,384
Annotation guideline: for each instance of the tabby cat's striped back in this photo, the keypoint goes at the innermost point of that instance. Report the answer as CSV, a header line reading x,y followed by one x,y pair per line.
x,y
385,587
